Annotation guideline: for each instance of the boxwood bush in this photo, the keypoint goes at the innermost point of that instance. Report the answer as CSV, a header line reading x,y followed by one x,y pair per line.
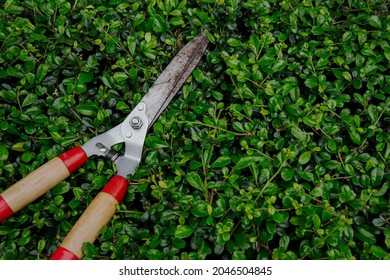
x,y
277,146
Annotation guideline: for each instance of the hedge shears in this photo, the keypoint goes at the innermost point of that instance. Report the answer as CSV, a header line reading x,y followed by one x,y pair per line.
x,y
132,132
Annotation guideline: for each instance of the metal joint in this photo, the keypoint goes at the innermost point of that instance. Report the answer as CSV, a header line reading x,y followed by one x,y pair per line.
x,y
136,122
133,131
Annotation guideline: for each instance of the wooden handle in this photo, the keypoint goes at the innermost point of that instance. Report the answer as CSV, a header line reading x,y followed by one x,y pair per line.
x,y
34,185
95,217
40,181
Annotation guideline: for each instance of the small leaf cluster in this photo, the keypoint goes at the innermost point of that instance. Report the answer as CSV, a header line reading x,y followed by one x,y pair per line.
x,y
276,147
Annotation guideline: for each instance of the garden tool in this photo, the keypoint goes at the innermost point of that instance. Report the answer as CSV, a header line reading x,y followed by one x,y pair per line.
x,y
132,132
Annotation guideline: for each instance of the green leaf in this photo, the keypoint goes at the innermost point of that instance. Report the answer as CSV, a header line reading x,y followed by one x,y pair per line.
x,y
347,76
306,175
279,65
107,80
29,99
122,106
13,233
357,204
183,231
349,169
378,251
234,42
311,82
4,230
200,209
120,76
89,250
298,133
382,190
238,126
365,180
80,87
61,188
138,19
131,44
317,30
373,113
376,176
154,254
87,110
355,136
238,255
284,242
195,181
347,36
160,25
85,77
366,234
155,143
177,21
304,157
3,152
375,21
346,194
42,72
30,77
13,7
133,73
280,217
362,37
254,44
287,174
276,103
332,145
19,147
28,156
316,221
41,245
221,161
244,162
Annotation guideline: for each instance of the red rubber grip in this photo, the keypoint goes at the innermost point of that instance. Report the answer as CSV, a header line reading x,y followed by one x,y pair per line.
x,y
74,158
63,254
117,187
5,210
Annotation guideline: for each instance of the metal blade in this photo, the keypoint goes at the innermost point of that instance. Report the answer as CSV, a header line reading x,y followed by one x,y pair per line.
x,y
173,77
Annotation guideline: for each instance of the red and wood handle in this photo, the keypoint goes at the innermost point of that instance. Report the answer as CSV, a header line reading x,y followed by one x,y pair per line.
x,y
40,181
94,218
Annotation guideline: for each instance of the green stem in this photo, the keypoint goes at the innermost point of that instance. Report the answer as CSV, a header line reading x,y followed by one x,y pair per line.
x,y
270,180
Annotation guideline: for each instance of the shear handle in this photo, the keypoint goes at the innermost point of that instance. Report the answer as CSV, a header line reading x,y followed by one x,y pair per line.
x,y
40,181
94,218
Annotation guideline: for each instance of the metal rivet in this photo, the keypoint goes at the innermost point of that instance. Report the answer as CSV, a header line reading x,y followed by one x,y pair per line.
x,y
140,107
128,134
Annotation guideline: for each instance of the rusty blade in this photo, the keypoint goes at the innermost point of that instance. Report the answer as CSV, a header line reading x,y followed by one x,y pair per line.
x,y
173,77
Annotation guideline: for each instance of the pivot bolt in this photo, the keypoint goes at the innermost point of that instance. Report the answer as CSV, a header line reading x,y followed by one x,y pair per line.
x,y
136,122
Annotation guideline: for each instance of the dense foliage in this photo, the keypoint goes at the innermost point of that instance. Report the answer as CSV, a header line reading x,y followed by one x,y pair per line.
x,y
277,146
